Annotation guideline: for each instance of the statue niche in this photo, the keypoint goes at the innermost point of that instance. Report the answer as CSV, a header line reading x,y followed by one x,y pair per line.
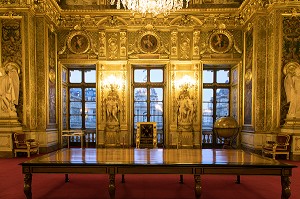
x,y
186,114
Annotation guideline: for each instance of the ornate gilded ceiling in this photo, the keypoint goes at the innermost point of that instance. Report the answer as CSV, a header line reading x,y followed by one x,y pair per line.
x,y
105,4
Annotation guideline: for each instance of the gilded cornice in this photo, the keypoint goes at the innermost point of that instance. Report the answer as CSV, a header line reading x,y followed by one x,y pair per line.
x,y
47,8
251,7
108,21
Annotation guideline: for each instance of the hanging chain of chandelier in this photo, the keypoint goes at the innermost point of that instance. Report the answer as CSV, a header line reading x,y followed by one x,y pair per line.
x,y
154,7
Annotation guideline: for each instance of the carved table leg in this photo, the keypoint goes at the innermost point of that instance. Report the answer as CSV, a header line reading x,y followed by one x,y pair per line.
x,y
111,186
198,187
181,179
238,179
123,178
67,178
27,185
285,184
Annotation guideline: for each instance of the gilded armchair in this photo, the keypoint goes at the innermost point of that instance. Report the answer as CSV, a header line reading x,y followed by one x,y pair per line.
x,y
279,146
21,144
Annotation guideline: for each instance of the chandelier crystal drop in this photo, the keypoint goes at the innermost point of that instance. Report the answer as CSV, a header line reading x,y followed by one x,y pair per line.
x,y
154,7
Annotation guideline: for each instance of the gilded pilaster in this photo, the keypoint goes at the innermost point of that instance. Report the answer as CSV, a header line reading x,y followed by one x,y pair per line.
x,y
260,72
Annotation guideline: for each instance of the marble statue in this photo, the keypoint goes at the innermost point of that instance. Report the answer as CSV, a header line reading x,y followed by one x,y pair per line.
x,y
186,109
292,90
9,88
112,108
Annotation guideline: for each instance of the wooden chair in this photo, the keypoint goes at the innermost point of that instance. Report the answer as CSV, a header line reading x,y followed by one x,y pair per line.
x,y
23,145
279,146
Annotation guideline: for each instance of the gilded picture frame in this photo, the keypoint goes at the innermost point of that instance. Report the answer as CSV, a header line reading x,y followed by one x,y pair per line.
x,y
220,41
78,42
149,42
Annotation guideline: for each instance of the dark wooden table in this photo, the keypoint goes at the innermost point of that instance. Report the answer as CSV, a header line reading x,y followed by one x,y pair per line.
x,y
156,161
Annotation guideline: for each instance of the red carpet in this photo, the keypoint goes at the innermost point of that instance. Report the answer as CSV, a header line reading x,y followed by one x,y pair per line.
x,y
88,186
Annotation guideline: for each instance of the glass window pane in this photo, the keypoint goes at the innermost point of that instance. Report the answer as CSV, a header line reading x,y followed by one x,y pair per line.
x,y
90,121
90,108
223,76
156,75
208,76
75,122
140,75
90,94
222,109
90,76
140,108
222,95
75,76
140,94
156,108
207,107
158,120
75,107
207,95
207,121
139,118
75,94
156,94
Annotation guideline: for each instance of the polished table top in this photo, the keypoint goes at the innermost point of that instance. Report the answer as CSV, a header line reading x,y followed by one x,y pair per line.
x,y
132,156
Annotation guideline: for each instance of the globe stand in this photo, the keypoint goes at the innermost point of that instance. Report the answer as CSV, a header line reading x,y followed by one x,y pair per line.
x,y
228,141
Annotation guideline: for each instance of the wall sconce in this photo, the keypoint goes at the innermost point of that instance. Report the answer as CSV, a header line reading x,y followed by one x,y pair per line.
x,y
185,82
112,83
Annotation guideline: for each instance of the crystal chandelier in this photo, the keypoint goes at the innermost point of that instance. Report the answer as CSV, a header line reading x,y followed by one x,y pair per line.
x,y
154,7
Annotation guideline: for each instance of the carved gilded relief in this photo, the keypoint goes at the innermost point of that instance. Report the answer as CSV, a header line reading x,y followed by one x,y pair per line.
x,y
148,41
174,39
196,43
185,46
102,44
78,44
11,43
113,46
123,44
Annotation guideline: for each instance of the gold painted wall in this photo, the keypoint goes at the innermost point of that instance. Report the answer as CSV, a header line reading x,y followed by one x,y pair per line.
x,y
183,42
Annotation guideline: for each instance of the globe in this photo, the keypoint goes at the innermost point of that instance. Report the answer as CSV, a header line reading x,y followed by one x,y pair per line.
x,y
226,128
